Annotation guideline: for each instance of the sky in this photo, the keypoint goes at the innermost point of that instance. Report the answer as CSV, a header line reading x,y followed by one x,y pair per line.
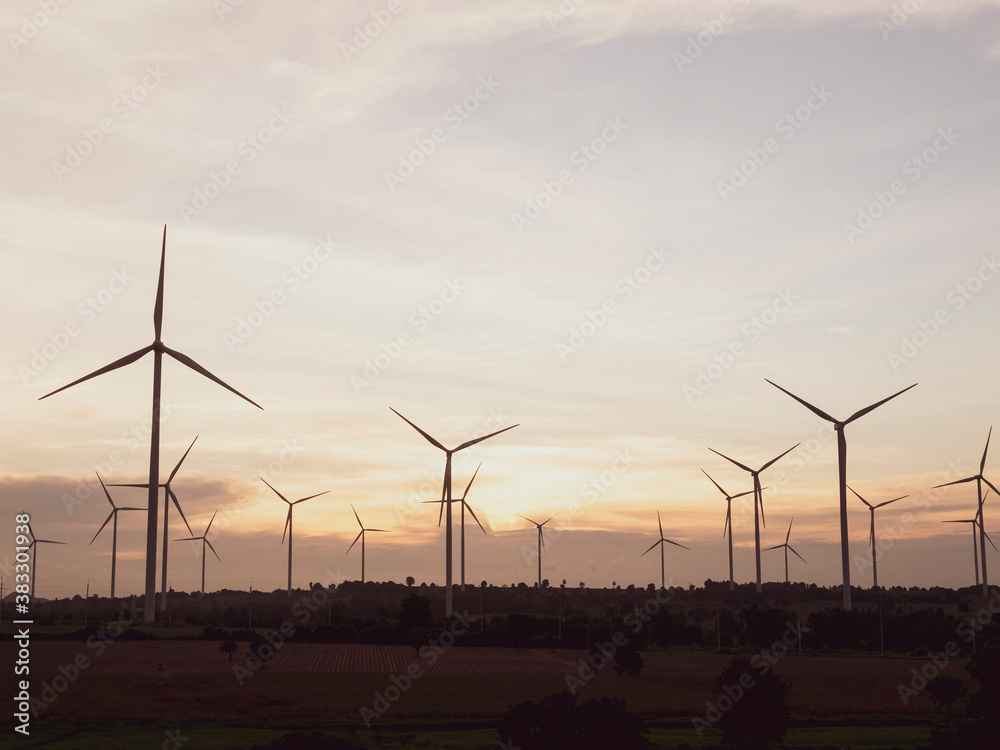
x,y
604,222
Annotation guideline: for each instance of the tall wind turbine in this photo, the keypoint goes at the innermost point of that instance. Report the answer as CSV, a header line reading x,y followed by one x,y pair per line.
x,y
168,496
158,348
787,547
112,516
204,541
288,526
34,556
975,552
446,497
729,522
979,479
663,569
839,426
541,542
871,535
361,536
758,501
465,506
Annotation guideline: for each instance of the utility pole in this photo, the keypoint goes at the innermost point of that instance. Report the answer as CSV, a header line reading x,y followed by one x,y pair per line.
x,y
86,604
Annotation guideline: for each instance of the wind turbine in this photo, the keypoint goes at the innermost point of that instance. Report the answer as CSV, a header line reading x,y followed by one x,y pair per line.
x,y
168,496
204,541
34,556
758,501
112,516
975,553
842,462
872,533
288,526
158,348
462,525
979,479
787,547
541,541
361,536
729,523
663,569
446,498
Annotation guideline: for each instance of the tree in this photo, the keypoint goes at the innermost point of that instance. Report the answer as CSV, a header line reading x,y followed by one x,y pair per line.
x,y
410,580
227,647
628,660
556,722
415,612
751,707
944,691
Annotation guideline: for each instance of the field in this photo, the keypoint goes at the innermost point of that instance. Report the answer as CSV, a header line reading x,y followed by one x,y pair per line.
x,y
160,685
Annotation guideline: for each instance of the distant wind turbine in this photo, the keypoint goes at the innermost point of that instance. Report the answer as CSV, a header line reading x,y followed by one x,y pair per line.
x,y
729,522
112,516
541,541
361,536
159,349
446,497
288,525
979,479
758,501
34,556
465,506
168,497
871,535
838,425
204,541
663,569
975,553
787,547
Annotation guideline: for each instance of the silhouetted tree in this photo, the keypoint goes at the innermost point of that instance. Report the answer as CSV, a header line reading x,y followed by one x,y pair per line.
x,y
944,691
410,580
556,722
415,612
751,705
628,660
228,647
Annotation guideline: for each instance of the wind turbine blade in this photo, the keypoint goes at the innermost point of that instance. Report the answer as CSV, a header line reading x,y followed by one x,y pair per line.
x,y
651,548
384,531
760,494
742,466
660,525
859,496
275,491
288,521
210,523
355,540
178,466
744,494
810,407
465,445
469,485
358,517
474,515
178,506
431,440
768,549
110,516
789,534
982,464
725,528
777,457
799,556
715,483
186,360
891,501
106,493
158,306
213,550
144,485
527,519
957,481
549,519
126,360
302,500
867,409
990,485
676,544
189,539
132,509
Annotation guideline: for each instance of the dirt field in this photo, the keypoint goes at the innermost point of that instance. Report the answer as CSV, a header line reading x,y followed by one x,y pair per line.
x,y
334,681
